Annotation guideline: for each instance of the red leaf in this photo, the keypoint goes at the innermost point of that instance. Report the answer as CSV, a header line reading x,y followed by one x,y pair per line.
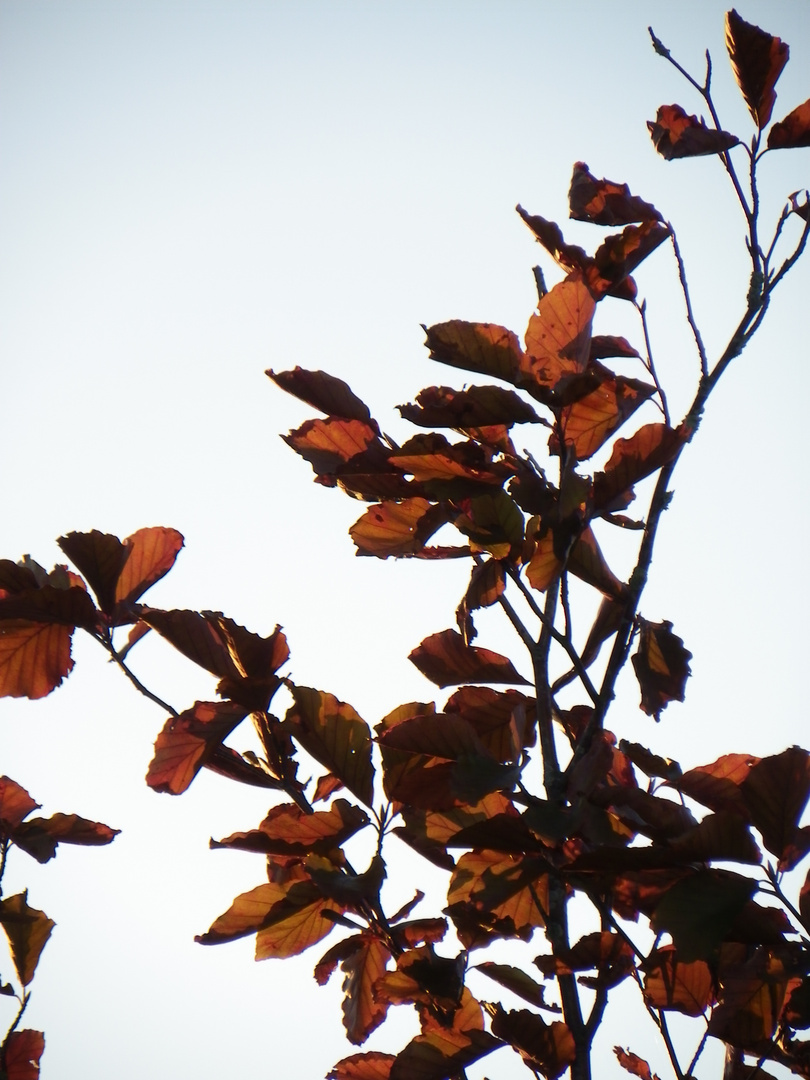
x,y
634,1064
152,553
604,202
677,135
15,804
757,59
447,661
371,1066
187,741
661,665
27,930
22,1053
775,793
324,392
793,131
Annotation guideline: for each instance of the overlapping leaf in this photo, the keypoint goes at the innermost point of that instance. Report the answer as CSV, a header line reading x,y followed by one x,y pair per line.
x,y
323,392
604,202
671,984
775,793
592,419
441,1055
41,836
757,59
699,910
793,131
370,1066
650,448
447,661
675,134
483,348
397,528
431,457
545,1048
287,830
477,406
501,886
188,741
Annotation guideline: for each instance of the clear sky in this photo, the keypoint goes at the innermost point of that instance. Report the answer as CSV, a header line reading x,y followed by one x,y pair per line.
x,y
193,192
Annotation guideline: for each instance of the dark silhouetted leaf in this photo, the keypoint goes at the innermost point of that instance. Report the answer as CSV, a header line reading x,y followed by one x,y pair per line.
x,y
652,446
757,59
518,982
40,836
100,557
15,804
793,131
671,984
604,345
604,202
441,1055
483,348
751,999
27,930
477,406
675,134
447,661
546,1048
323,392
661,664
634,1064
187,741
362,1011
718,785
649,763
699,911
333,733
775,793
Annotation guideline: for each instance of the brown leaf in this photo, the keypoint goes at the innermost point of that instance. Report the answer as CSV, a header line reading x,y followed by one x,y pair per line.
x,y
371,1066
591,420
287,830
718,785
793,131
21,1054
518,982
604,345
757,59
751,998
699,910
483,348
619,254
15,804
336,736
431,457
634,1064
397,528
152,553
441,1055
504,886
323,392
477,406
661,664
604,202
34,658
775,793
504,720
671,984
187,741
447,661
362,1012
675,134
325,444
27,930
100,557
558,336
40,836
546,1048
650,448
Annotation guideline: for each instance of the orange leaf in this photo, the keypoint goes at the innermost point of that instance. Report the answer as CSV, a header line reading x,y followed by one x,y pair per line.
x,y
336,736
152,553
187,740
362,1011
558,337
677,135
27,930
651,447
371,1066
447,661
480,347
718,785
793,131
397,528
604,202
34,658
295,924
671,984
325,444
21,1055
634,1064
287,830
546,1048
757,59
432,457
502,885
440,1055
591,420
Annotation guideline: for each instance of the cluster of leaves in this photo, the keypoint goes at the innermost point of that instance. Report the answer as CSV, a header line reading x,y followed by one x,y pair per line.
x,y
26,928
632,834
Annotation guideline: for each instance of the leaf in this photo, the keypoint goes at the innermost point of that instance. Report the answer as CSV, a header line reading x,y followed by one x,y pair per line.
x,y
677,135
100,557
15,804
336,736
371,1066
21,1054
604,345
793,131
651,764
661,664
546,1048
326,444
757,59
431,457
397,528
671,984
501,885
477,406
187,741
718,785
362,1011
34,658
775,792
558,336
484,348
447,661
287,830
323,392
439,1056
591,420
493,524
650,448
751,1000
27,930
634,1064
40,836
604,202
518,982
152,553
698,911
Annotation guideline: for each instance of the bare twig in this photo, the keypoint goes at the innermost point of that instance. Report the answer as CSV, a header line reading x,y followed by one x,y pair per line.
x,y
704,363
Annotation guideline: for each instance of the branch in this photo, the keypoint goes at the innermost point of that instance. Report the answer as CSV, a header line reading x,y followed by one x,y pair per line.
x,y
136,682
704,363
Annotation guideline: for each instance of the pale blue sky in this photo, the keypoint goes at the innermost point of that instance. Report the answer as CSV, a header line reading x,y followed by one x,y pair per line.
x,y
193,192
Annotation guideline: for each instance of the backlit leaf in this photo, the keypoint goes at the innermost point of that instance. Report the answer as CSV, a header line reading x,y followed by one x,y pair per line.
x,y
558,336
100,557
187,740
439,1056
27,930
22,1053
287,830
447,661
604,345
591,420
518,982
152,553
604,202
34,658
751,998
675,134
651,447
793,131
431,457
477,406
669,983
718,784
661,664
546,1048
371,1066
634,1064
325,444
397,528
757,59
40,836
483,348
333,733
15,804
775,793
323,392
504,886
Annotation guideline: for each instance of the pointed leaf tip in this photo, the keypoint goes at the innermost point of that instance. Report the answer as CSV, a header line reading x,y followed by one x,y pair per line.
x,y
757,59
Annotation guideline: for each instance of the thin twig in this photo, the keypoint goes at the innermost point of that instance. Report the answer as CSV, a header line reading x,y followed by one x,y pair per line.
x,y
650,366
704,363
700,1048
136,682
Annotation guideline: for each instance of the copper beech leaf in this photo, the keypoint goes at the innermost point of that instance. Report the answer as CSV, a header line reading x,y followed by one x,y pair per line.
x,y
634,1064
661,664
591,420
15,804
40,836
699,910
675,134
100,557
545,1048
152,553
477,406
503,886
336,736
558,336
188,741
287,830
604,202
323,392
371,1066
21,1054
397,528
440,1055
775,793
326,444
483,348
650,448
671,984
362,1010
27,930
752,996
447,661
518,982
793,131
757,59
430,457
